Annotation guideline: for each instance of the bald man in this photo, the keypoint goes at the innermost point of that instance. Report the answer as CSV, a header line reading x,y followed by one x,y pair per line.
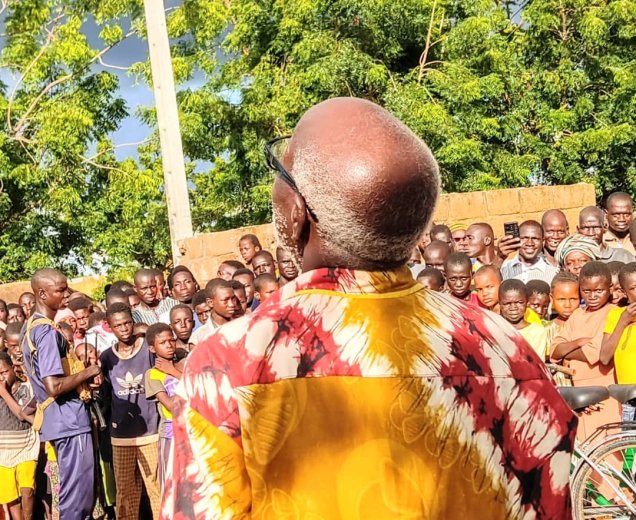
x,y
620,214
66,422
555,230
480,246
592,223
348,383
436,254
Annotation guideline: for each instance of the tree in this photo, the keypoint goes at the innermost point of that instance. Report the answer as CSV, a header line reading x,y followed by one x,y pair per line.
x,y
505,94
65,200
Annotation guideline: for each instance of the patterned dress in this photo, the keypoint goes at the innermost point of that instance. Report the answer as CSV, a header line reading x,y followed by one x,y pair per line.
x,y
354,394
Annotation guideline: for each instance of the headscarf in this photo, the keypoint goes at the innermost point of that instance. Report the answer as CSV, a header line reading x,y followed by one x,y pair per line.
x,y
456,226
580,243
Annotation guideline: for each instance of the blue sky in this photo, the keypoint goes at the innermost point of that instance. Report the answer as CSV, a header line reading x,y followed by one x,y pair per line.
x,y
135,92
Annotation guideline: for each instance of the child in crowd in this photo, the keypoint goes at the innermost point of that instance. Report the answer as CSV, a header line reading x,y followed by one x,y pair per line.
x,y
15,313
580,339
618,295
246,277
487,280
228,268
264,286
162,288
459,277
513,302
249,245
201,307
27,302
221,299
182,323
160,385
241,296
20,444
619,338
82,308
538,297
436,254
432,279
12,344
565,298
139,330
134,300
99,334
134,420
3,314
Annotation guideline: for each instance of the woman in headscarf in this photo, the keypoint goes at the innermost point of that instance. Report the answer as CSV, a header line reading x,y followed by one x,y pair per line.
x,y
575,251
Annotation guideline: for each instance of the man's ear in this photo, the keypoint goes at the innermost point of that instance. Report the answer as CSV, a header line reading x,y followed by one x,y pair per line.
x,y
487,241
300,217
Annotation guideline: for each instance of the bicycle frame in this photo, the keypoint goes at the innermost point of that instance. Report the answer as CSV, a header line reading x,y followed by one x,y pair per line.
x,y
580,452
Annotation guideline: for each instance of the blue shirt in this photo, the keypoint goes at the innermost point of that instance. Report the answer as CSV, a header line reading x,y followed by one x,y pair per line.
x,y
67,416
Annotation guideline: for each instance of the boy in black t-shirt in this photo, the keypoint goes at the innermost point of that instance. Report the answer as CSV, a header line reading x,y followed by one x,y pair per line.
x,y
134,420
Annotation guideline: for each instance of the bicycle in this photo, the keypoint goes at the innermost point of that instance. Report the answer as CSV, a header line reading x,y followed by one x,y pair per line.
x,y
603,462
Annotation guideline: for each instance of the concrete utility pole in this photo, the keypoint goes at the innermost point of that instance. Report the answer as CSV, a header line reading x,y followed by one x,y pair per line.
x,y
175,182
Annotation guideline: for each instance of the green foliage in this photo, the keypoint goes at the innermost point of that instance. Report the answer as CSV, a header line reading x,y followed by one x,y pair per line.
x,y
503,101
65,200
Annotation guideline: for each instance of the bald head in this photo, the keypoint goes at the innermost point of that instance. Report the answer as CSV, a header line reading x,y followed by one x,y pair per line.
x,y
51,291
554,216
591,211
370,183
436,254
480,238
45,277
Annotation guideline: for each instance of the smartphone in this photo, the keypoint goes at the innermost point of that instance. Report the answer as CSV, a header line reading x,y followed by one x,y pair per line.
x,y
511,229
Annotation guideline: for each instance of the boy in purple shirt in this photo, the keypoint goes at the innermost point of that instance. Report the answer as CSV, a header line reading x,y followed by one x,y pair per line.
x,y
66,422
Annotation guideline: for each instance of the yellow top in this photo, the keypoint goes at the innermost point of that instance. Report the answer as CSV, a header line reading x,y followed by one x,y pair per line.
x,y
537,336
625,353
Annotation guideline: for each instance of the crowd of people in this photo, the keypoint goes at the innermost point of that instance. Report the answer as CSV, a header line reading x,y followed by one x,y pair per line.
x,y
88,388
128,351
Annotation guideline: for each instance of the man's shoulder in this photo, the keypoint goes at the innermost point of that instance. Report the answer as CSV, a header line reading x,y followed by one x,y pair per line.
x,y
621,255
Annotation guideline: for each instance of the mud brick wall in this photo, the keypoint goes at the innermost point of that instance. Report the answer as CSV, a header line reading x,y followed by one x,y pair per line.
x,y
203,253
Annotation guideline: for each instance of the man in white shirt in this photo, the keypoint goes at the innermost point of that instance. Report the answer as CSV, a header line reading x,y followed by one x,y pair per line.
x,y
529,263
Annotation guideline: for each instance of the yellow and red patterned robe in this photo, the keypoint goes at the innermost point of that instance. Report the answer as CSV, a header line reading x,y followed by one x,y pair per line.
x,y
355,394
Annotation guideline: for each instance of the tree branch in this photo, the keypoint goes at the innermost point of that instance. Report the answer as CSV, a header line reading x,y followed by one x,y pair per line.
x,y
427,45
23,119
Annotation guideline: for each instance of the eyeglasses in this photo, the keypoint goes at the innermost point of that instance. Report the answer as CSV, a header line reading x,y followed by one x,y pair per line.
x,y
275,149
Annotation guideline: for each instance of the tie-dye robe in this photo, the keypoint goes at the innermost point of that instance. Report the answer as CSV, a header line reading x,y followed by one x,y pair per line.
x,y
355,394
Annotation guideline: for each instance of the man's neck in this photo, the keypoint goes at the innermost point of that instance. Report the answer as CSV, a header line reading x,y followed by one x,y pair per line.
x,y
145,307
549,256
619,234
488,257
42,309
218,319
528,262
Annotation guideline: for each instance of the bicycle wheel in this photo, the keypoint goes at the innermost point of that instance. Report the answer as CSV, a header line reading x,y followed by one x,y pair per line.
x,y
592,495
